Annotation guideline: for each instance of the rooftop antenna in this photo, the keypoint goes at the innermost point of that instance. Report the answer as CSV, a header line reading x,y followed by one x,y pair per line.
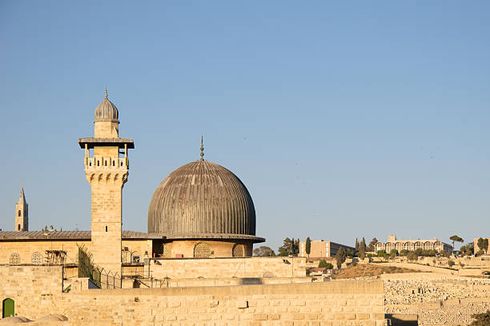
x,y
202,148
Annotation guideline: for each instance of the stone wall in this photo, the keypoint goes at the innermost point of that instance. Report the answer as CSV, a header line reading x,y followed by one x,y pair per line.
x,y
29,251
185,248
37,293
34,288
228,267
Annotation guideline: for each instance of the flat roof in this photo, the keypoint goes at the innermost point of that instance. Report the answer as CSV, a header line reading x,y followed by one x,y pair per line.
x,y
91,142
126,235
61,235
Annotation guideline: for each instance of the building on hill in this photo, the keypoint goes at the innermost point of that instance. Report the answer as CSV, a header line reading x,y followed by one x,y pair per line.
x,y
322,248
412,245
201,210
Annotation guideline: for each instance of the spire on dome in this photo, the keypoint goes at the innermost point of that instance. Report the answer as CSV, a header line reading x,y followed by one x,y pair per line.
x,y
106,111
202,148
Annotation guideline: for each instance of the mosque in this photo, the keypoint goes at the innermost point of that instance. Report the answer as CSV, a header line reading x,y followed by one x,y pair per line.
x,y
200,210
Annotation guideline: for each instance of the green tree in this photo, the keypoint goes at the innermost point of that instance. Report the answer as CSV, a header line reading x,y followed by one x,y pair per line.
x,y
290,246
340,257
412,256
324,264
356,246
467,249
404,252
483,244
362,249
263,251
382,253
393,253
295,248
372,244
286,248
308,246
456,238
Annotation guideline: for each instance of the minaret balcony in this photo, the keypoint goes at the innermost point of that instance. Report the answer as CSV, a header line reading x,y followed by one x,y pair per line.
x,y
98,162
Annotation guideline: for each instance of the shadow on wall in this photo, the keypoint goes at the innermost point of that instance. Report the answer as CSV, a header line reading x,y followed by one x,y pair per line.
x,y
250,281
402,319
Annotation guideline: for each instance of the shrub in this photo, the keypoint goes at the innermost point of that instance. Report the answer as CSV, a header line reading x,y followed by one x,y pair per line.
x,y
482,319
393,253
324,264
382,253
450,263
412,256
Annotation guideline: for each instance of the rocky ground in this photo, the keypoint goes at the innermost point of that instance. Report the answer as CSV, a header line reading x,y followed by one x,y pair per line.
x,y
437,299
368,270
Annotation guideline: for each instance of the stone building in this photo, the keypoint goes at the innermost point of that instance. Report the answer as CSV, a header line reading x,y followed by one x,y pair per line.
x,y
412,245
22,213
106,169
200,210
322,248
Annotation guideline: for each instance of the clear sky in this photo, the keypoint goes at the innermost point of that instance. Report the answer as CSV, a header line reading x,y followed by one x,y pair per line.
x,y
344,119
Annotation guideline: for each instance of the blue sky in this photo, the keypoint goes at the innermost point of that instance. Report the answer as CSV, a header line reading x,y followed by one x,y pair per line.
x,y
344,119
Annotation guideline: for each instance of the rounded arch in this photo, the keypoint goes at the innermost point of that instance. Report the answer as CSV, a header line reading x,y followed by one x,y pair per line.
x,y
37,258
14,258
399,246
389,246
428,245
407,246
202,250
8,308
238,250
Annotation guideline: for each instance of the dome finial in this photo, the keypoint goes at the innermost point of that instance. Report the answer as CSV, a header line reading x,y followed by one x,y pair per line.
x,y
202,148
106,93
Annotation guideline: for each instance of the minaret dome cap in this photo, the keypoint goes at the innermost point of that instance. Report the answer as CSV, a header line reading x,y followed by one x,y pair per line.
x,y
106,111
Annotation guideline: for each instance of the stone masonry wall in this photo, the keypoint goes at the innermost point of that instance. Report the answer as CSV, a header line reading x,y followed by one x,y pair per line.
x,y
37,293
229,267
27,250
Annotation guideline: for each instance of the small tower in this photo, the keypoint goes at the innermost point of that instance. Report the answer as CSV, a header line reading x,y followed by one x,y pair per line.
x,y
106,170
22,213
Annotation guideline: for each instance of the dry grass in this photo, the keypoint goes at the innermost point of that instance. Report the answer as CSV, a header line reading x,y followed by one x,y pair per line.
x,y
366,270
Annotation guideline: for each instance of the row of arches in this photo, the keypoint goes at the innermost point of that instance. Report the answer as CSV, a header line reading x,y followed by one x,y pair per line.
x,y
107,177
411,246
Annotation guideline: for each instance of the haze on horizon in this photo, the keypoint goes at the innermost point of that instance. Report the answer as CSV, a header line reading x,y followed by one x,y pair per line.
x,y
342,119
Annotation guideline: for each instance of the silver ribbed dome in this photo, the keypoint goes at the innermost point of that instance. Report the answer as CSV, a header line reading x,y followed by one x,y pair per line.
x,y
106,111
201,198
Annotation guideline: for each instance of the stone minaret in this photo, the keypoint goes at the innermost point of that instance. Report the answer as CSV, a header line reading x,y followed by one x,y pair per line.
x,y
22,213
106,169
